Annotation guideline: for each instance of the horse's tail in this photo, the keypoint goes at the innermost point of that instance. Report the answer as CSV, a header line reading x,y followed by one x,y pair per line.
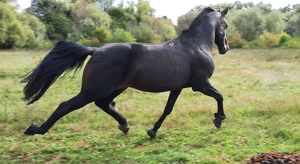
x,y
63,57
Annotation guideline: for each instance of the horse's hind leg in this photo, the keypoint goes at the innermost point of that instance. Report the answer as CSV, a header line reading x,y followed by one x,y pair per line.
x,y
64,108
107,107
168,109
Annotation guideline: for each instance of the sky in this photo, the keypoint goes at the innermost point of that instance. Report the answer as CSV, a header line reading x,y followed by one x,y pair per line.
x,y
173,9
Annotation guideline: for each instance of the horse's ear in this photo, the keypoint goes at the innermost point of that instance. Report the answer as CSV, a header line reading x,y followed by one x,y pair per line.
x,y
224,12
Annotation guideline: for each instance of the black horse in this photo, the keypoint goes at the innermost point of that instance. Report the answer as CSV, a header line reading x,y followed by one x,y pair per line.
x,y
183,62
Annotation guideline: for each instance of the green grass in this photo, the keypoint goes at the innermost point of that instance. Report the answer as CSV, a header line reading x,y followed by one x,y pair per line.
x,y
261,90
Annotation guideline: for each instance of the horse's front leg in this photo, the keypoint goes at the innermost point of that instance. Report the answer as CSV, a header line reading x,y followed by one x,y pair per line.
x,y
168,109
209,90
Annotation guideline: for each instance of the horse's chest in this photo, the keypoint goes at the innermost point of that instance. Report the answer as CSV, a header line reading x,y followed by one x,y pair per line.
x,y
203,67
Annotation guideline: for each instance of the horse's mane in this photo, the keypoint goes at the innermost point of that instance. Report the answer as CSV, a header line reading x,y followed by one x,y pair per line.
x,y
198,19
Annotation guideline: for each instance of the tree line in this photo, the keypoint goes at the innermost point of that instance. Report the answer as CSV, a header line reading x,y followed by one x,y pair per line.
x,y
95,22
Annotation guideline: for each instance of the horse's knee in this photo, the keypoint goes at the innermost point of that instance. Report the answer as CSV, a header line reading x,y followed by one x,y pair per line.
x,y
219,97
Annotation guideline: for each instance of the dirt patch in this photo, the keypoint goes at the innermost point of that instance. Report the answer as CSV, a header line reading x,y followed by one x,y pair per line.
x,y
275,158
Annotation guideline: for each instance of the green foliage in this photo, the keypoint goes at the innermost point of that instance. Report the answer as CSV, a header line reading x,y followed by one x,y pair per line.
x,y
268,40
291,25
236,42
12,33
104,4
249,23
120,17
54,14
292,43
85,42
297,21
101,34
120,35
144,9
75,35
35,29
153,30
247,19
274,22
143,33
284,37
77,19
87,17
5,1
184,21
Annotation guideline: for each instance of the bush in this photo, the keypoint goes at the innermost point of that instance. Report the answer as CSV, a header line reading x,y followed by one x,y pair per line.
x,y
101,34
96,42
85,42
268,40
12,33
120,35
284,37
237,42
292,43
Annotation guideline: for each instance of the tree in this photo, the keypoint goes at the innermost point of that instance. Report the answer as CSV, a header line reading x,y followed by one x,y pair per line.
x,y
87,17
12,33
120,17
36,30
249,23
143,9
293,22
101,34
274,22
103,4
122,36
184,21
54,14
142,32
153,30
297,21
266,8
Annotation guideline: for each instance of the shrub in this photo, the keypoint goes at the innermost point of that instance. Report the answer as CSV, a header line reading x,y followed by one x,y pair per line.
x,y
101,34
268,40
284,37
85,42
120,35
236,42
95,42
292,43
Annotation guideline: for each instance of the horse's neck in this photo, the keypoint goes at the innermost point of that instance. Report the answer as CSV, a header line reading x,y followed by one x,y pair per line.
x,y
203,35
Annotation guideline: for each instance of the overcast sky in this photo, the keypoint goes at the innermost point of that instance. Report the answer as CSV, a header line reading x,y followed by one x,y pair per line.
x,y
173,9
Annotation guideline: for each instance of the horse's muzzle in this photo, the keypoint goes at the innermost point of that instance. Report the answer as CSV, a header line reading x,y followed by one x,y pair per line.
x,y
225,47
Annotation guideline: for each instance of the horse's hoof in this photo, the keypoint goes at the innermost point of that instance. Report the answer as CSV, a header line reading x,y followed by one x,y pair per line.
x,y
218,120
32,130
151,133
217,123
124,128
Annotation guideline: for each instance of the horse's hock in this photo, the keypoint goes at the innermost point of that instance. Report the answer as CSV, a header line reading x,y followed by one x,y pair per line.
x,y
275,158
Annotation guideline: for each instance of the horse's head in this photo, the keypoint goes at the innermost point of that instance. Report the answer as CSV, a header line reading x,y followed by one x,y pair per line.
x,y
220,33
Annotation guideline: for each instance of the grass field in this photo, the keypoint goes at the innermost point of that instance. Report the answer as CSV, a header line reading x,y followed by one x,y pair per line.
x,y
261,90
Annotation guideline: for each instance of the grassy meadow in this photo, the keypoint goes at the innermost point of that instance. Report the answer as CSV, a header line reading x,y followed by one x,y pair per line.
x,y
261,90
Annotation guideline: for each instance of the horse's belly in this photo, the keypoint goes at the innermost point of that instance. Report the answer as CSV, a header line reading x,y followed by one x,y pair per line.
x,y
159,81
